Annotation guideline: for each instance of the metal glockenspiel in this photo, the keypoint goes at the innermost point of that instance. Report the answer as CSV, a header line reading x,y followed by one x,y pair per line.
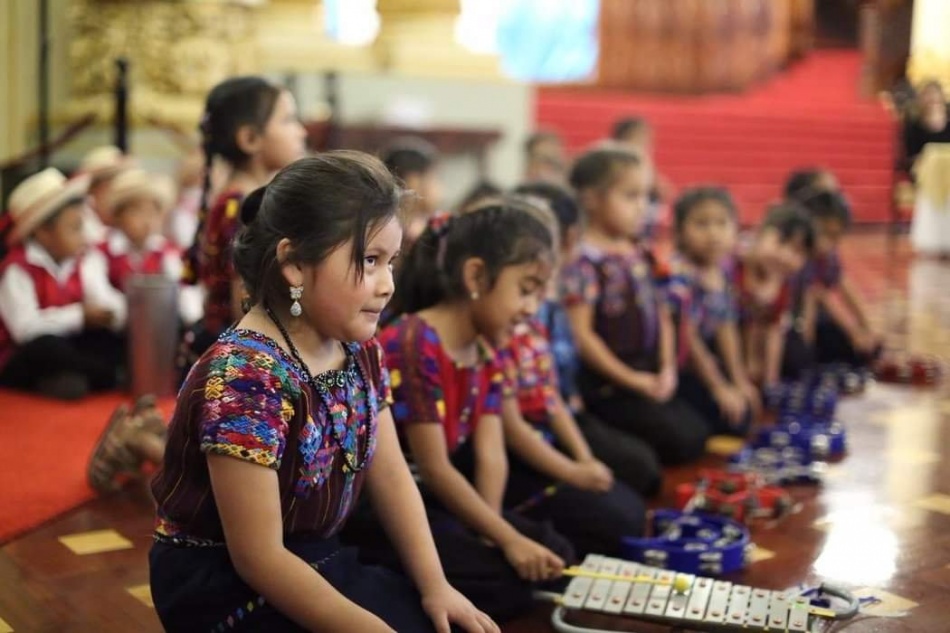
x,y
627,589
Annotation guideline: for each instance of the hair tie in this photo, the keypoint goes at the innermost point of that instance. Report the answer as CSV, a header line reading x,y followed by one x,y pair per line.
x,y
439,224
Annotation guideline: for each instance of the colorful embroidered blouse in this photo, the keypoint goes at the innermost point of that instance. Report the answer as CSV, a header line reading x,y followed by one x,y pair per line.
x,y
247,399
554,318
620,287
209,260
429,387
709,307
530,373
750,307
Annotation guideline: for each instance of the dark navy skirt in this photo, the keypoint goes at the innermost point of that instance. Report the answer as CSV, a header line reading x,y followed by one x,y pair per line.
x,y
198,589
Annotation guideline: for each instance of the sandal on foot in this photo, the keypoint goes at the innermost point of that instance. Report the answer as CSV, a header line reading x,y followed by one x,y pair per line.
x,y
152,420
112,455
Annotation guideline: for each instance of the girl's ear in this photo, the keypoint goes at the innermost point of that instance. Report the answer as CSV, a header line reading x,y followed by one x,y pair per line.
x,y
475,276
292,272
248,139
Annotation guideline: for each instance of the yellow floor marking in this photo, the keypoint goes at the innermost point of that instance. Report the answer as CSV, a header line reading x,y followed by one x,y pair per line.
x,y
96,542
142,593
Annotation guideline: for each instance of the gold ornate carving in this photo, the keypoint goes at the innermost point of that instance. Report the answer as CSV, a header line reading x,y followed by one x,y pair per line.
x,y
177,51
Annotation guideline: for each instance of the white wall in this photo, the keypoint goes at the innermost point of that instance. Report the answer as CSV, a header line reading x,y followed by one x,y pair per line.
x,y
476,104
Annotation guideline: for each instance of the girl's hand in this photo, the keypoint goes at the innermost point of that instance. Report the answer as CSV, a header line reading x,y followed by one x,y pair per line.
x,y
753,397
532,560
645,383
732,403
591,475
446,606
668,379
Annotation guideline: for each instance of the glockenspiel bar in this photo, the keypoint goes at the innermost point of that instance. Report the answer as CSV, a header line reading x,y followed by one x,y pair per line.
x,y
640,593
628,569
597,597
798,615
593,562
738,605
575,595
698,599
656,605
610,566
718,602
618,597
758,612
676,607
778,609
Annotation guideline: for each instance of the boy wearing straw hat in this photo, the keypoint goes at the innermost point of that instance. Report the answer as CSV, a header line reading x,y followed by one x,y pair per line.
x,y
59,316
101,165
137,203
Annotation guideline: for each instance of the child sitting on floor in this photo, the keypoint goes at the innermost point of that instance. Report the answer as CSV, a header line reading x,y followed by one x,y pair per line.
x,y
632,461
624,334
414,162
101,165
837,325
285,420
134,245
59,316
553,475
714,380
466,280
761,275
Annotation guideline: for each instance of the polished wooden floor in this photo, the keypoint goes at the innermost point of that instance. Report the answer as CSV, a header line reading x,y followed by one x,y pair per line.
x,y
881,521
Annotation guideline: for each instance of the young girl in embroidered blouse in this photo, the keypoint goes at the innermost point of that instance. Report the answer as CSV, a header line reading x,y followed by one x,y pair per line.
x,y
624,335
714,382
251,125
468,279
285,419
761,275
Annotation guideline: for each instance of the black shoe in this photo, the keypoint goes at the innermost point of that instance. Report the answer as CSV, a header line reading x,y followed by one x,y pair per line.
x,y
66,386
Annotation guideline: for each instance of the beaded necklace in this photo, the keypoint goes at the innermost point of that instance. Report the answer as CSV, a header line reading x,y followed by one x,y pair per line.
x,y
338,379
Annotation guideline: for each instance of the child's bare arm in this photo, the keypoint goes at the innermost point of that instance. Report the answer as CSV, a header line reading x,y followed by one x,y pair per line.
x,y
774,348
452,489
399,505
248,502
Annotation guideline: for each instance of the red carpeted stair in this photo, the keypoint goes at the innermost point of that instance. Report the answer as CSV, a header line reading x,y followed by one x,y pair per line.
x,y
808,115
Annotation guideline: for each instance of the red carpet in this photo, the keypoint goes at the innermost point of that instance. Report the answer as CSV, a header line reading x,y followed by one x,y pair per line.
x,y
44,445
808,115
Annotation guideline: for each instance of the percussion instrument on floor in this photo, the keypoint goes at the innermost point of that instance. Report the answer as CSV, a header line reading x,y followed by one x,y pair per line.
x,y
816,440
787,466
690,543
920,371
802,398
697,603
737,496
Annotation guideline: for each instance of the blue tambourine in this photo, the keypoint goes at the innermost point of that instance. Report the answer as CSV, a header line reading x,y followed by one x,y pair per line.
x,y
692,544
787,466
801,398
817,441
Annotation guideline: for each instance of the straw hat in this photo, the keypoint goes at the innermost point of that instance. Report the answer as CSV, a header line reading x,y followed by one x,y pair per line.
x,y
38,197
104,162
135,183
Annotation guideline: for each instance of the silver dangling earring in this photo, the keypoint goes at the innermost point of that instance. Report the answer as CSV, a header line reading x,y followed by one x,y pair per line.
x,y
295,293
474,296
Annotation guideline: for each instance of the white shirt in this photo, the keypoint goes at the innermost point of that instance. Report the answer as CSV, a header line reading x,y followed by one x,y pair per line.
x,y
118,244
92,227
19,306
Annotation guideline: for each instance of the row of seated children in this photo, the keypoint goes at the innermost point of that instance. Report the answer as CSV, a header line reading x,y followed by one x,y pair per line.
x,y
482,275
61,294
